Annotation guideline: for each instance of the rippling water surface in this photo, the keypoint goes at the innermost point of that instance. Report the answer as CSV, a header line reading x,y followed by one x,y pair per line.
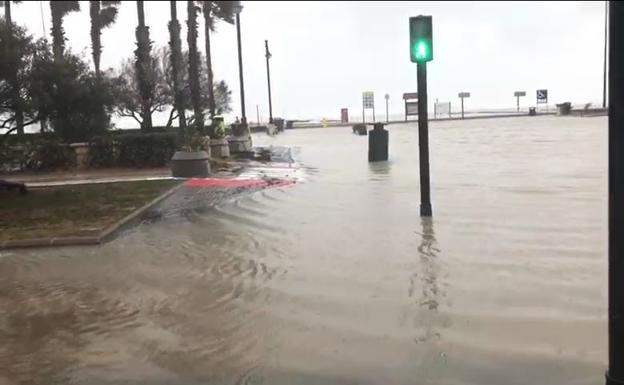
x,y
337,280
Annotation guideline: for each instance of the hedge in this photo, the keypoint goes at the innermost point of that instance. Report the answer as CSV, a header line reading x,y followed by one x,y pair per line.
x,y
37,156
133,150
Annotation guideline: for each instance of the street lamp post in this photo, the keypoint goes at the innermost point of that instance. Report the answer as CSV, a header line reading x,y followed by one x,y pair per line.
x,y
238,9
268,56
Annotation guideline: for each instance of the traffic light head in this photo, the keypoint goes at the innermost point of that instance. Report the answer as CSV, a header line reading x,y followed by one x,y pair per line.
x,y
421,39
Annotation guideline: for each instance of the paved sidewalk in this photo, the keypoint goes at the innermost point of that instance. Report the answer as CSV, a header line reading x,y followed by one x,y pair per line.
x,y
88,176
280,165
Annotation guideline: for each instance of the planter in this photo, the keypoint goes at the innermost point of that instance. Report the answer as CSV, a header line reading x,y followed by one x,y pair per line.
x,y
240,144
219,148
190,164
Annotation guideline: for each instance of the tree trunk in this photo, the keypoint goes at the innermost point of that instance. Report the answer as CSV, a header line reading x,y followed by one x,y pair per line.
x,y
7,12
176,66
57,33
96,44
208,27
194,66
142,62
15,95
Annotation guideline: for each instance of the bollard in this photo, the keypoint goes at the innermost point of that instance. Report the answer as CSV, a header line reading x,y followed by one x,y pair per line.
x,y
378,143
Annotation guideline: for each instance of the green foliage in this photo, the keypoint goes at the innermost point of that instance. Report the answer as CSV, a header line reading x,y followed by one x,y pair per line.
x,y
37,155
133,150
51,155
76,102
102,151
17,51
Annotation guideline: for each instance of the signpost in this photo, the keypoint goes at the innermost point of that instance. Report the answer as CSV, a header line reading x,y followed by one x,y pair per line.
x,y
542,98
411,107
387,98
517,95
368,101
463,95
421,51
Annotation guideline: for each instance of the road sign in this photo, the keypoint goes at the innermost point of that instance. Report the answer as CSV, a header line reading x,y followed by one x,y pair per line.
x,y
517,95
441,108
411,107
368,99
542,96
464,95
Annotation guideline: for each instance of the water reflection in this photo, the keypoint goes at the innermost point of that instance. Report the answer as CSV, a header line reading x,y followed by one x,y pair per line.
x,y
424,284
378,170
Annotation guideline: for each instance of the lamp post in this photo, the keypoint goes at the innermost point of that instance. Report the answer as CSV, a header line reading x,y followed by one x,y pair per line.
x,y
268,56
238,9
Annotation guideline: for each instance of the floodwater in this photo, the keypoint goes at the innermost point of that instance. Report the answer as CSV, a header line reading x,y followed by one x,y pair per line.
x,y
337,280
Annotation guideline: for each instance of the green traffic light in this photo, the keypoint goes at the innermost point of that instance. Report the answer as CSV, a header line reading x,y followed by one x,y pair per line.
x,y
421,51
421,39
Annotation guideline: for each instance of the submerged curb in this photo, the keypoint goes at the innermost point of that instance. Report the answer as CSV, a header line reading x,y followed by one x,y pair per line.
x,y
104,236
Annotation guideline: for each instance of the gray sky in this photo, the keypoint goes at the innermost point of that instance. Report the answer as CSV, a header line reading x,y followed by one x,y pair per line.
x,y
326,54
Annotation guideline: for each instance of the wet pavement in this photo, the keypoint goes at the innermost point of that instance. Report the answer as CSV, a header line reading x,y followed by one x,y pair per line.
x,y
335,279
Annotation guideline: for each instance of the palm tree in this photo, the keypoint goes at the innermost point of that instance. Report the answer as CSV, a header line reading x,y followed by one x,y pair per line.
x,y
143,58
175,45
194,65
17,99
103,14
214,10
60,9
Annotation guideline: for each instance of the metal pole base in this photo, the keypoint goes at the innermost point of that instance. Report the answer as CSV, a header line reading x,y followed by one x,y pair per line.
x,y
425,211
612,381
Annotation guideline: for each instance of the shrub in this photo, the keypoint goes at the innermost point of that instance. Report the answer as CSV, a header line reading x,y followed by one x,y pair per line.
x,y
102,152
49,155
145,150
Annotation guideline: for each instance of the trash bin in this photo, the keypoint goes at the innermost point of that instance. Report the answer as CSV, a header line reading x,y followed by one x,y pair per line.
x,y
532,111
378,143
360,129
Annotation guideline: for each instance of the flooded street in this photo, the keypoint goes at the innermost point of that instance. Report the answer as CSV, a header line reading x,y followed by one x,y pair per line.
x,y
336,279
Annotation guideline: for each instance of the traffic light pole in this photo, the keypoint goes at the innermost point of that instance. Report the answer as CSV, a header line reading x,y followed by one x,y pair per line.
x,y
615,373
423,140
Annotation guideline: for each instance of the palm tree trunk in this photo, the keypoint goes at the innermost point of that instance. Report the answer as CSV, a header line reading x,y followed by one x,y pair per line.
x,y
176,66
142,62
208,25
7,12
17,100
96,44
194,66
57,33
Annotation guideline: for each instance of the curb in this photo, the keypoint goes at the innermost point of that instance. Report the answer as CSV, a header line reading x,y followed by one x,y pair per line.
x,y
104,236
111,230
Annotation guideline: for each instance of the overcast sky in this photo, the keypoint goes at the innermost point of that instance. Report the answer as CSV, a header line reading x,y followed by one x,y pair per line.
x,y
325,54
